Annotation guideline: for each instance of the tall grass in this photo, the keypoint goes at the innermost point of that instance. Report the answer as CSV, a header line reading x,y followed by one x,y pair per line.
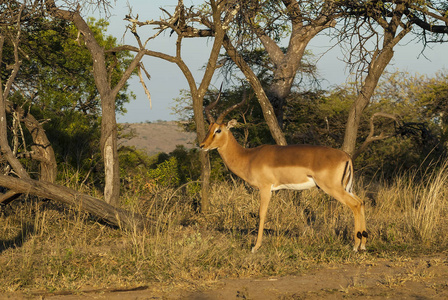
x,y
47,247
428,206
417,204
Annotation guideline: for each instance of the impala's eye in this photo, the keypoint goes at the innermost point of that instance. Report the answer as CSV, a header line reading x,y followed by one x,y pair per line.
x,y
218,131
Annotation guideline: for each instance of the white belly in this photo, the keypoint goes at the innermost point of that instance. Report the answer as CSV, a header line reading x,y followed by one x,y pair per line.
x,y
295,186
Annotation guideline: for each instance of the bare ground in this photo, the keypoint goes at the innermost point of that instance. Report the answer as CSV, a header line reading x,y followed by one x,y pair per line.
x,y
158,137
416,278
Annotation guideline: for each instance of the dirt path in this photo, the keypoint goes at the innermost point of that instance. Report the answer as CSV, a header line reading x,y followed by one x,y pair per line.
x,y
420,278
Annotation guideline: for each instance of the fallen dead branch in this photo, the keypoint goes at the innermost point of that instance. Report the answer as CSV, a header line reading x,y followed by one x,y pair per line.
x,y
97,207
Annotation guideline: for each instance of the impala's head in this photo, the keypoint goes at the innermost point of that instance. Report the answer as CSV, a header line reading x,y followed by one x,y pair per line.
x,y
218,132
217,135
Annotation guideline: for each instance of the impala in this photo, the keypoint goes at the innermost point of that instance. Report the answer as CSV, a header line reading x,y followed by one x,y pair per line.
x,y
298,167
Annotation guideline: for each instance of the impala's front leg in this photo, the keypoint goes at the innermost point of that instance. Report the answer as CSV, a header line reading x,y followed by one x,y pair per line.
x,y
265,197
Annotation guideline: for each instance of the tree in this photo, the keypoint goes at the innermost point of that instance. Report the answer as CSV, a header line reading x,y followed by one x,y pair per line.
x,y
12,18
11,23
372,30
383,24
267,24
178,23
55,87
108,94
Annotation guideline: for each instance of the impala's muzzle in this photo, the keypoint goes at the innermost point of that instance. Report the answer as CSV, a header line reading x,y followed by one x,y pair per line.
x,y
203,146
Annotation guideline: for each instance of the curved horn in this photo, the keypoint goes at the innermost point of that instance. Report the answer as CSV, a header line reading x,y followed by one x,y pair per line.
x,y
210,106
224,113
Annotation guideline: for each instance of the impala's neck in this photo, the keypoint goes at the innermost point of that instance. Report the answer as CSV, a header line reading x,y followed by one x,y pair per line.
x,y
234,156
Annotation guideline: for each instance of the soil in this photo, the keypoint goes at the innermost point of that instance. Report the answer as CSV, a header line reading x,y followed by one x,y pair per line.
x,y
153,138
418,278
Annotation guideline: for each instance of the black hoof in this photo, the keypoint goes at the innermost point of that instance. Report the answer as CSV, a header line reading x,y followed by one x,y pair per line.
x,y
359,235
365,234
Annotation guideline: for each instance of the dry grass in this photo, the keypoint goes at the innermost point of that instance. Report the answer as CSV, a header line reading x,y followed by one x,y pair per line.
x,y
47,247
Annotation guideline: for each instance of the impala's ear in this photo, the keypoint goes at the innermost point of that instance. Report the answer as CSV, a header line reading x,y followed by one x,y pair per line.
x,y
232,123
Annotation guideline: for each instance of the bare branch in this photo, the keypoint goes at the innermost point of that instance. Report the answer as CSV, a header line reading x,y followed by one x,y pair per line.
x,y
371,137
209,107
139,70
5,149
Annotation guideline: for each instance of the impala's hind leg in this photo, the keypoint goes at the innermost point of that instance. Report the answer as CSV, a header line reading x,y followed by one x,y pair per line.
x,y
357,206
363,231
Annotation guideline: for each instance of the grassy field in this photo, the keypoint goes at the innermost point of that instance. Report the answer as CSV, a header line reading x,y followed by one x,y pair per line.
x,y
46,247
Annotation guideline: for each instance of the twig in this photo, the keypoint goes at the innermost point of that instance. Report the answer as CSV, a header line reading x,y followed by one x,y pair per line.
x,y
139,71
371,138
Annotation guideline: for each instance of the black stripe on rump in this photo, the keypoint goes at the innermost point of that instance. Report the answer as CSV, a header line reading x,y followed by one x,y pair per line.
x,y
347,174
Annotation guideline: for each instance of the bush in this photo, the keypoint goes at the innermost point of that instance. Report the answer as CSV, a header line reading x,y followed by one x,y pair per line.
x,y
166,174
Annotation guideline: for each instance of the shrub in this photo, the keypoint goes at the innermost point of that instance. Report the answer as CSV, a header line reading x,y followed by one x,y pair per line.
x,y
166,174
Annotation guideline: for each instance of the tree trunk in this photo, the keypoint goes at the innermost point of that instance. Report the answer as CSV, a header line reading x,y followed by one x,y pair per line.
x,y
266,106
379,62
198,108
109,150
376,68
108,96
5,149
108,122
205,179
198,102
286,67
304,27
42,150
111,215
198,97
380,59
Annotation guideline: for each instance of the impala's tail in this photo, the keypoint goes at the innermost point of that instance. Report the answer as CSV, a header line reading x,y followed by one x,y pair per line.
x,y
347,177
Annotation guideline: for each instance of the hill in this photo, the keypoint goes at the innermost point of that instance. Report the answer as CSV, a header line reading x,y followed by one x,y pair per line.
x,y
157,137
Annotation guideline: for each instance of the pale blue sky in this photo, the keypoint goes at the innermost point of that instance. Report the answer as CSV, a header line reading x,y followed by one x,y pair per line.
x,y
167,80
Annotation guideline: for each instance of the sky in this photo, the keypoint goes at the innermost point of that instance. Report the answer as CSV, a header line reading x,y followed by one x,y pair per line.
x,y
167,80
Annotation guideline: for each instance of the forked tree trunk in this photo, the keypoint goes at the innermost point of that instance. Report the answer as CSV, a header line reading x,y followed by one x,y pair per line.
x,y
108,123
303,28
380,60
363,99
287,65
284,75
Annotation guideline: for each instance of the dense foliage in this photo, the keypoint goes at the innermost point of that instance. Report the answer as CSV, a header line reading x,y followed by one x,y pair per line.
x,y
55,84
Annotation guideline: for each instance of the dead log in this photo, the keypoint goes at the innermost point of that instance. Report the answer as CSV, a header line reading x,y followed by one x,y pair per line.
x,y
8,197
97,207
